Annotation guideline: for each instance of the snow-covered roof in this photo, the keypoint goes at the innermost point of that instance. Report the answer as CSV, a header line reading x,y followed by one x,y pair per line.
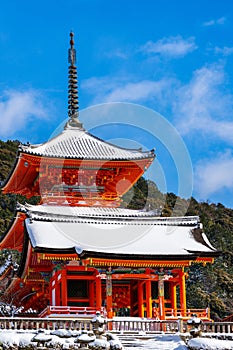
x,y
143,236
77,143
86,214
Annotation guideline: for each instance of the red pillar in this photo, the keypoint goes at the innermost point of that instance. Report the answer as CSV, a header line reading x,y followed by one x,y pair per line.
x,y
55,289
52,290
161,297
91,293
109,295
148,300
98,293
140,299
58,293
63,288
173,299
182,292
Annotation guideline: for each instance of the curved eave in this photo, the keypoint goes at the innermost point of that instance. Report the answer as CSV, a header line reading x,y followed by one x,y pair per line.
x,y
109,239
22,176
145,156
87,254
25,171
214,254
75,143
192,256
93,254
54,213
92,258
55,251
13,236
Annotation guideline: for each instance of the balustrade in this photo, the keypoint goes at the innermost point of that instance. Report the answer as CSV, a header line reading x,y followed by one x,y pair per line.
x,y
119,325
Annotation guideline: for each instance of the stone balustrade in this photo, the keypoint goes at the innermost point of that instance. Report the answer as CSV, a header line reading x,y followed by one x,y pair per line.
x,y
119,325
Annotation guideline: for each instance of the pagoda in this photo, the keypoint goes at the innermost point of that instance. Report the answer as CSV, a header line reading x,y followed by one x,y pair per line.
x,y
80,250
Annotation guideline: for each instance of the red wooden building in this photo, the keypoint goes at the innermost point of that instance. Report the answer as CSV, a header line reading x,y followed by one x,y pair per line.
x,y
80,251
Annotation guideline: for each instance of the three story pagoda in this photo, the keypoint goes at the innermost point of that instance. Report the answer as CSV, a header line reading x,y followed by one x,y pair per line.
x,y
81,251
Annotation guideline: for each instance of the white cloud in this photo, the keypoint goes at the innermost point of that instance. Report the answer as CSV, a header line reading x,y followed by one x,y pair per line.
x,y
18,108
96,84
120,89
171,46
214,175
139,91
117,53
213,22
203,105
225,51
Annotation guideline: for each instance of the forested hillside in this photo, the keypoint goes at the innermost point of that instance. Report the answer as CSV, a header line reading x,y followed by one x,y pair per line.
x,y
8,152
210,285
207,286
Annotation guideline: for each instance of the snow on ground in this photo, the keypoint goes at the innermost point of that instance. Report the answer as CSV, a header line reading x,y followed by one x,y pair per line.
x,y
168,342
152,342
156,342
24,337
210,344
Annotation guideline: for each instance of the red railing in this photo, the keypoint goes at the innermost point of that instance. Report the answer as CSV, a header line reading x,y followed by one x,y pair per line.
x,y
187,313
228,319
86,311
54,311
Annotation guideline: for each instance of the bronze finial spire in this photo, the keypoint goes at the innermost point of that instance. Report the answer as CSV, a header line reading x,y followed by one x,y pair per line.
x,y
73,86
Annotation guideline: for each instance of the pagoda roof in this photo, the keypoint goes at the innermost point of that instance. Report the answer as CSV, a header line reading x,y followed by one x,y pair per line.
x,y
111,234
14,235
46,212
74,142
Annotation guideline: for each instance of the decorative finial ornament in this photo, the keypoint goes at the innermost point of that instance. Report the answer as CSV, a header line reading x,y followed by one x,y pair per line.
x,y
73,87
72,51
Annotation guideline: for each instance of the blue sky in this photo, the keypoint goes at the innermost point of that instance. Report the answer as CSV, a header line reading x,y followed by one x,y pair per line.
x,y
172,57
